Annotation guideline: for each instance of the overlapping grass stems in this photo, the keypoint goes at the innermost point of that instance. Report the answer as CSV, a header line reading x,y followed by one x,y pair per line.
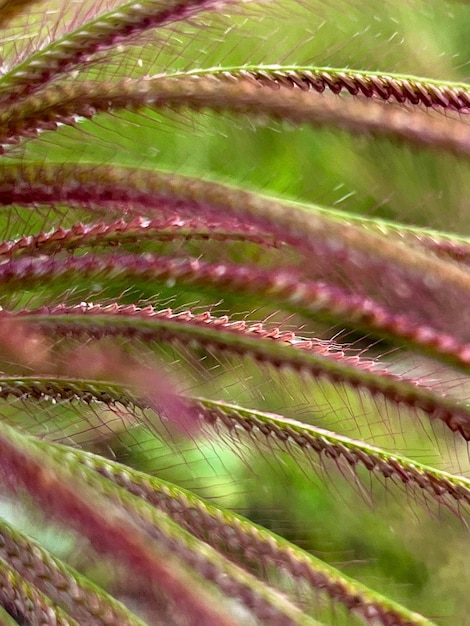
x,y
89,248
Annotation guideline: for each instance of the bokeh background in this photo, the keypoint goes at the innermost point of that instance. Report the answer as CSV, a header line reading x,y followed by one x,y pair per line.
x,y
388,537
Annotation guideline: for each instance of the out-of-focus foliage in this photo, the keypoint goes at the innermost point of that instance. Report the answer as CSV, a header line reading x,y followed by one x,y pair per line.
x,y
137,176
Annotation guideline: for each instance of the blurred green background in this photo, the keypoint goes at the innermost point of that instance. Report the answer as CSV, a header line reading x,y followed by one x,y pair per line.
x,y
416,552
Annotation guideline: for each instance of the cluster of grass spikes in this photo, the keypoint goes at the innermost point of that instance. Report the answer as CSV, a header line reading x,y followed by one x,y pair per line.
x,y
126,393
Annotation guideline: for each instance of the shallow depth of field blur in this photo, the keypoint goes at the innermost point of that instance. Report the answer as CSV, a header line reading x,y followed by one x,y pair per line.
x,y
416,553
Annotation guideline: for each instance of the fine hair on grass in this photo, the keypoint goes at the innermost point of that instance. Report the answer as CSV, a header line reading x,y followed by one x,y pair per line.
x,y
234,313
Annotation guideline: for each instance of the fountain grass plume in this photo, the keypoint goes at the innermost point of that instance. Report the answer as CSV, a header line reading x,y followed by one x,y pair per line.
x,y
244,403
